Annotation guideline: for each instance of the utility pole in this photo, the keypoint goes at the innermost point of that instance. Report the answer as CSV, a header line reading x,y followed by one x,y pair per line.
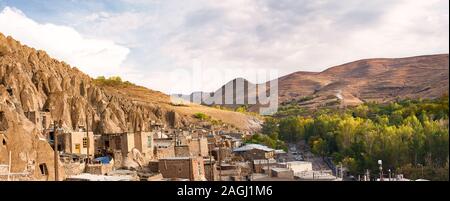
x,y
92,129
191,171
87,136
380,162
176,138
389,174
367,175
336,172
9,165
220,163
55,148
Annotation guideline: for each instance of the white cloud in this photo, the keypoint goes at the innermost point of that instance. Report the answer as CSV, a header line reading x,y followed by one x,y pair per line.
x,y
308,35
93,56
120,27
288,35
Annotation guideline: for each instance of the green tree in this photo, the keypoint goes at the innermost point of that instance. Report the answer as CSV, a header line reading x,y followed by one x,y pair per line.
x,y
270,128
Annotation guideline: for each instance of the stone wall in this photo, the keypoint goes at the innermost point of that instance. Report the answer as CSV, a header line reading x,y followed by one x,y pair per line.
x,y
165,152
182,151
199,147
182,167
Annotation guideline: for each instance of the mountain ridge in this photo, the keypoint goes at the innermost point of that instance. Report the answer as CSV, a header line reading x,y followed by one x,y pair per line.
x,y
374,79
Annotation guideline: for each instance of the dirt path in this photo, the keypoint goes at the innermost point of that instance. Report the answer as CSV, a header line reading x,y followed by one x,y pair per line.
x,y
317,162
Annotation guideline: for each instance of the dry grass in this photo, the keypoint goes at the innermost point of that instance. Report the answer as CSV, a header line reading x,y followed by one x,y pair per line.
x,y
147,96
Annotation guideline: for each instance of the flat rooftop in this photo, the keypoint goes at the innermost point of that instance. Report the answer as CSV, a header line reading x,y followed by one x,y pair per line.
x,y
93,177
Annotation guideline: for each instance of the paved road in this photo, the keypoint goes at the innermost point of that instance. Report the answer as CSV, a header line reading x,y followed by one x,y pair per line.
x,y
301,147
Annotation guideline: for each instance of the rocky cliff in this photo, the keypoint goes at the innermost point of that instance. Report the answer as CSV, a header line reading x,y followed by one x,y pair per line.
x,y
31,82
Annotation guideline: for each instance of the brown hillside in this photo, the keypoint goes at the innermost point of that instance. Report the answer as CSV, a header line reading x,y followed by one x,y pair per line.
x,y
31,81
380,80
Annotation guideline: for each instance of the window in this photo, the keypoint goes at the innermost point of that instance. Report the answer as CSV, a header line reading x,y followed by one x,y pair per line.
x,y
52,136
149,141
77,148
43,168
118,142
44,122
85,142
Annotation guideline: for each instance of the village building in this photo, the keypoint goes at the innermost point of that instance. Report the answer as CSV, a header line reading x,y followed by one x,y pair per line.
x,y
236,135
198,147
143,141
108,144
280,155
191,168
221,153
282,173
234,171
246,169
77,142
182,137
297,166
197,133
153,165
164,147
262,165
42,119
229,172
211,172
182,151
252,152
96,177
159,135
99,168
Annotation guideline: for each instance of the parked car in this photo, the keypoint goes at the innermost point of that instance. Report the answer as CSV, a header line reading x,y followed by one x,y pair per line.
x,y
299,158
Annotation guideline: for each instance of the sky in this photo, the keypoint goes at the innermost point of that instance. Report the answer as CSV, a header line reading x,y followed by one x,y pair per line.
x,y
181,46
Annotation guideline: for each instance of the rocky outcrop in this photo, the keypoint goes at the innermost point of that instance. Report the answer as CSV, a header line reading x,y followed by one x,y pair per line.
x,y
31,81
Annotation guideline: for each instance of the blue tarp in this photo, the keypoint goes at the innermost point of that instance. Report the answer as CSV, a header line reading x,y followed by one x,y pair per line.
x,y
103,159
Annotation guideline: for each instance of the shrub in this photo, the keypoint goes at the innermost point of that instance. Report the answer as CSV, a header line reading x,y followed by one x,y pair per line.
x,y
201,116
112,81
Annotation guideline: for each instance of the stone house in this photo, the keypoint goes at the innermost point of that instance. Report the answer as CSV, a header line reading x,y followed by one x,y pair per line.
x,y
164,147
42,119
198,147
126,142
252,152
77,142
191,168
260,165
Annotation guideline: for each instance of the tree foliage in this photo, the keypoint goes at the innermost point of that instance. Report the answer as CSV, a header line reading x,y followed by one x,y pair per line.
x,y
403,134
111,81
201,116
267,140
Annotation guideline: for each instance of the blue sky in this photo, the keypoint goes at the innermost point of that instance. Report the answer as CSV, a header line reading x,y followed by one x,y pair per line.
x,y
145,41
